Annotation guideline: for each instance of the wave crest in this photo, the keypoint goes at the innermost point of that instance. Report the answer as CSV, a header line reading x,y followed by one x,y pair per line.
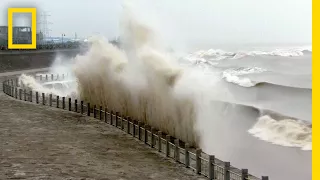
x,y
233,75
286,132
214,55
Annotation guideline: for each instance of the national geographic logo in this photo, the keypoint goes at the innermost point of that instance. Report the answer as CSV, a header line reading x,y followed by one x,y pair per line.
x,y
33,44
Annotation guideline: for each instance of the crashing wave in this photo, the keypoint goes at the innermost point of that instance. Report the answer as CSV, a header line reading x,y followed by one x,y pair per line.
x,y
285,132
233,75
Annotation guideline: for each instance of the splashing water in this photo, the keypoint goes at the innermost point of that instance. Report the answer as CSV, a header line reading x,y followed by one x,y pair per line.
x,y
60,88
145,82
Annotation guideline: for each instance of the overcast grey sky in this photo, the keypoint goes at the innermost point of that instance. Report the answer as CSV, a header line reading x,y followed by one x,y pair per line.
x,y
186,21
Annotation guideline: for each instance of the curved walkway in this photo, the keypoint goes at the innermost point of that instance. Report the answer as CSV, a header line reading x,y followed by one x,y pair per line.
x,y
39,142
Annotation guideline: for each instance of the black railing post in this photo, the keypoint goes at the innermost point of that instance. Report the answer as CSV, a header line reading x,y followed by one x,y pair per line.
x,y
134,128
168,145
145,134
30,96
159,141
63,102
128,124
198,161
88,109
6,88
50,99
117,118
69,104
20,94
25,94
106,115
244,174
186,155
153,130
9,90
94,111
43,99
37,97
139,130
81,107
226,171
211,165
57,101
176,150
122,122
111,117
16,89
75,105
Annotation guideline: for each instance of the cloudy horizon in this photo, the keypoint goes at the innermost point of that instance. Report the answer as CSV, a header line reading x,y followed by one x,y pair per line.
x,y
186,22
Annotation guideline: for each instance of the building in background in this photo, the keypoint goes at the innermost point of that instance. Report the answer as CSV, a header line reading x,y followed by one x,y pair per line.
x,y
21,35
3,35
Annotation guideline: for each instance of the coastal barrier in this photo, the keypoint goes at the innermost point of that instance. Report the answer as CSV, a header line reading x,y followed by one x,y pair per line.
x,y
66,45
203,164
25,59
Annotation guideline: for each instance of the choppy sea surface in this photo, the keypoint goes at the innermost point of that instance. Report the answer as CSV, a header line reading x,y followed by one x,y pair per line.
x,y
271,108
277,80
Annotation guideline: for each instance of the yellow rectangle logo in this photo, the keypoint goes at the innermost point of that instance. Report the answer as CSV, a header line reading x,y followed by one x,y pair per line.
x,y
33,44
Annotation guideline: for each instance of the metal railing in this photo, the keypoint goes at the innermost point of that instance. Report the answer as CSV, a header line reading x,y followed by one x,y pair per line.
x,y
201,163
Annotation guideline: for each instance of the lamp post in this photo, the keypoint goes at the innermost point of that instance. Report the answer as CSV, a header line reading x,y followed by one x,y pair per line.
x,y
62,37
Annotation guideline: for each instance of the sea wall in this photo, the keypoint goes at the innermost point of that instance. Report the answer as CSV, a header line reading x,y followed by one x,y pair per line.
x,y
24,60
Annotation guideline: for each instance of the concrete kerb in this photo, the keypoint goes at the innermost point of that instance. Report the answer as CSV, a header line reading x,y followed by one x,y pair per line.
x,y
207,165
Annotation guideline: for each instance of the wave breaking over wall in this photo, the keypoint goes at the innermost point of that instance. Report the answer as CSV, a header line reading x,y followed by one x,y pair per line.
x,y
140,80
